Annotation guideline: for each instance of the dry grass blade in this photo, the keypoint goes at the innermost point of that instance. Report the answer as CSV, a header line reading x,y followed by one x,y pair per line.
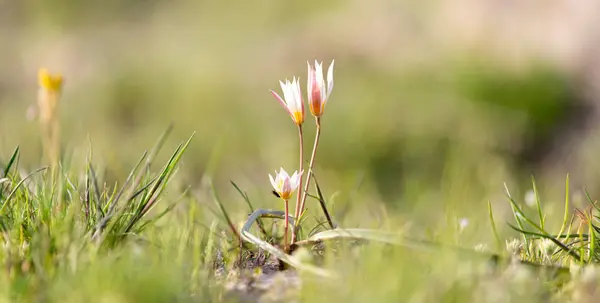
x,y
278,253
356,234
261,226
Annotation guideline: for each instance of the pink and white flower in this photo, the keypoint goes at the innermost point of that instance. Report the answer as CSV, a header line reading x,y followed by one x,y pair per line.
x,y
285,185
292,100
318,92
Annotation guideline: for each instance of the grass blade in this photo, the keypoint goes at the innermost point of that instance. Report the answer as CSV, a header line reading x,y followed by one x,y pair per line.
x,y
537,203
11,162
224,211
322,202
493,224
512,206
278,253
245,196
566,215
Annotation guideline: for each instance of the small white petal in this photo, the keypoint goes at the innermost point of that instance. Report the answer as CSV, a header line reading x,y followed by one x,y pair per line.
x,y
283,174
273,183
309,81
282,86
288,94
295,180
319,79
330,79
299,102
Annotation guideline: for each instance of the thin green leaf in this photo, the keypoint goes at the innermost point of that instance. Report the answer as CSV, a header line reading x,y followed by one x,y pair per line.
x,y
493,224
224,212
261,226
11,162
512,206
322,202
566,215
537,201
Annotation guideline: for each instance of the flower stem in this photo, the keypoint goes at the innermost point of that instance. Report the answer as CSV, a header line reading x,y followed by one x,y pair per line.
x,y
310,167
55,139
299,194
285,229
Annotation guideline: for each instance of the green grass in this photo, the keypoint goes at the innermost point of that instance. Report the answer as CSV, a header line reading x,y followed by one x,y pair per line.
x,y
415,140
73,237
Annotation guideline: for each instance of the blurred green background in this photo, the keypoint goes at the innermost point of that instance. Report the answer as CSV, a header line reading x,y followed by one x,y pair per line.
x,y
435,105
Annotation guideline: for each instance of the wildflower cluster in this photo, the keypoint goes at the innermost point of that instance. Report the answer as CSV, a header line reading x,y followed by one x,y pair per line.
x,y
318,93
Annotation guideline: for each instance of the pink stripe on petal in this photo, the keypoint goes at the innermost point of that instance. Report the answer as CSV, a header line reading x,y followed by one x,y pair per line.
x,y
281,101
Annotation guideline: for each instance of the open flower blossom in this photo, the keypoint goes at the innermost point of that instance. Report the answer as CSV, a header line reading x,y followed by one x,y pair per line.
x,y
292,100
285,185
318,93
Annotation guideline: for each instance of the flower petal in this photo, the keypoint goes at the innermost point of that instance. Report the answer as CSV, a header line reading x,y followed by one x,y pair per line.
x,y
330,79
283,85
273,183
295,180
281,101
299,101
283,174
309,82
320,81
286,189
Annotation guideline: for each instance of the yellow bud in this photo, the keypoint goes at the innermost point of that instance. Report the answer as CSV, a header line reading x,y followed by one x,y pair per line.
x,y
49,82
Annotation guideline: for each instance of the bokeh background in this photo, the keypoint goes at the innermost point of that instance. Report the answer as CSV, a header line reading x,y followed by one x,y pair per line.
x,y
436,103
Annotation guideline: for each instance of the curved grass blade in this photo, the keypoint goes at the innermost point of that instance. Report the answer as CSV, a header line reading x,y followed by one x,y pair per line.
x,y
261,226
512,206
493,223
278,253
357,234
113,202
150,197
12,193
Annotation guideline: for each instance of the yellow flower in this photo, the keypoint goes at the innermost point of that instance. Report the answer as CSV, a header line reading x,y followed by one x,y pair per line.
x,y
292,100
49,82
285,185
318,93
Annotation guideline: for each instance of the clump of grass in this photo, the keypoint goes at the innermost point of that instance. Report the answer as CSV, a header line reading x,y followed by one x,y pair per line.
x,y
51,224
576,242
